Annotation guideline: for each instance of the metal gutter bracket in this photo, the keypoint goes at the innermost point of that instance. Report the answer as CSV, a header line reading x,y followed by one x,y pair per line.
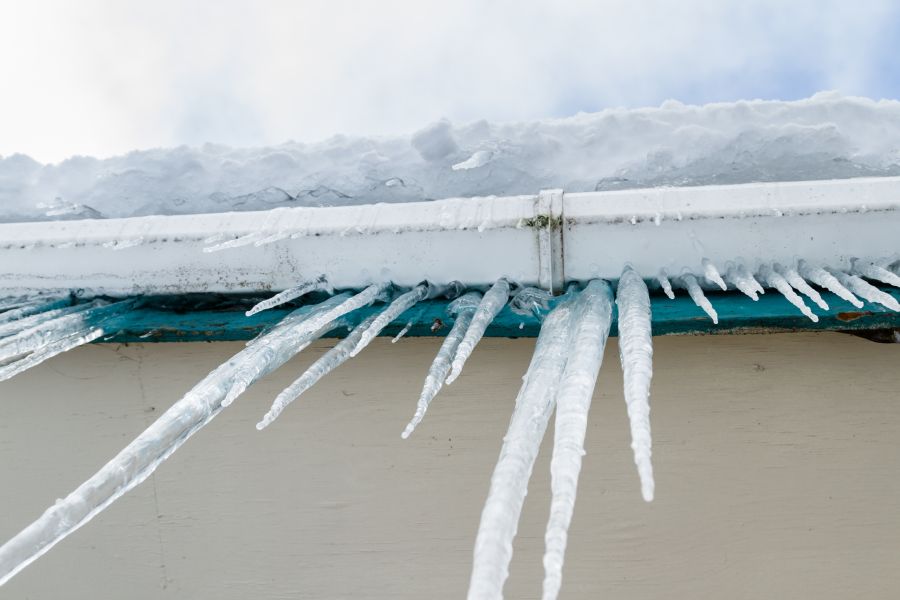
x,y
548,224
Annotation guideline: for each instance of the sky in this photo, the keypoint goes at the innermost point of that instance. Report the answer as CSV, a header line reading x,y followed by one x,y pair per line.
x,y
102,78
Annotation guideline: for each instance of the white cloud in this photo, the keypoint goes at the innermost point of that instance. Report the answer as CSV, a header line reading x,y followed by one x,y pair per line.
x,y
101,78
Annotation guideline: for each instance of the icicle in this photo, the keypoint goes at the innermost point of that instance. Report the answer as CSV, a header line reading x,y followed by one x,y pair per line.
x,y
141,457
50,350
491,304
464,308
712,274
823,278
663,278
403,331
33,308
778,282
14,327
636,355
742,280
592,317
696,294
509,482
530,301
275,237
80,323
866,290
872,271
329,361
319,283
396,308
799,284
244,240
11,302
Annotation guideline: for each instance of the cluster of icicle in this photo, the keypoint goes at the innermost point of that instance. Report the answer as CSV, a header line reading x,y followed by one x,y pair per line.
x,y
33,329
560,377
788,280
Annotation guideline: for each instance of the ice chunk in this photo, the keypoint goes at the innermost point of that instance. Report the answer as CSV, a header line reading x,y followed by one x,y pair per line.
x,y
870,270
403,303
509,482
530,301
712,274
464,308
329,361
319,283
636,355
492,303
592,317
823,278
478,159
663,278
773,279
866,290
800,284
696,294
141,457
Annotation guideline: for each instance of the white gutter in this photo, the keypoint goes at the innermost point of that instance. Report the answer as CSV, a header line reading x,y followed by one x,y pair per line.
x,y
544,239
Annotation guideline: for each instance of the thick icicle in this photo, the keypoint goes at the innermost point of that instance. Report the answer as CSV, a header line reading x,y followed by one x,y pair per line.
x,y
592,317
328,362
319,283
491,304
775,280
50,350
712,274
663,278
396,308
34,308
742,280
799,284
870,270
696,294
636,356
141,457
823,278
463,307
509,482
80,323
866,290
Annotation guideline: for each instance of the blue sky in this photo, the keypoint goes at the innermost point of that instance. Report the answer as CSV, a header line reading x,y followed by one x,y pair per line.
x,y
101,78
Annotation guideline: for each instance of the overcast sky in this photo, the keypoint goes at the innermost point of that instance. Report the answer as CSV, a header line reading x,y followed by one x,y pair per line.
x,y
104,77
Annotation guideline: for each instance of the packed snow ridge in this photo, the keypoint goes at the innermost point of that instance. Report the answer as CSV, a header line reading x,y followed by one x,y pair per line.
x,y
827,136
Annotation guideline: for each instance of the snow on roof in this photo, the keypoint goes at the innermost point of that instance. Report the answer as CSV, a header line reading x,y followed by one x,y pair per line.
x,y
827,136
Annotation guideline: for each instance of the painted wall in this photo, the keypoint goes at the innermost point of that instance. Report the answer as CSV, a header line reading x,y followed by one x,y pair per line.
x,y
777,461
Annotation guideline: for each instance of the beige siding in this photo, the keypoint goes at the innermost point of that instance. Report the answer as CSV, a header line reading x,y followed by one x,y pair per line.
x,y
777,461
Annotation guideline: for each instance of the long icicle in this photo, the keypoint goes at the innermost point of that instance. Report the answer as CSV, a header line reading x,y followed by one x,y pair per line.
x,y
319,283
870,270
509,482
864,289
636,356
396,308
823,278
464,308
491,304
12,369
592,317
696,294
141,457
800,284
328,362
775,280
